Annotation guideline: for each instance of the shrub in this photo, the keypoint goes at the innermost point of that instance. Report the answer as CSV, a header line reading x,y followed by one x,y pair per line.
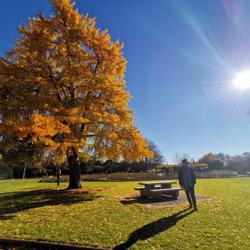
x,y
5,171
121,176
217,174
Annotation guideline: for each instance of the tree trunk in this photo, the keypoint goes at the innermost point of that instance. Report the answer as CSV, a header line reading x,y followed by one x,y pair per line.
x,y
24,171
75,172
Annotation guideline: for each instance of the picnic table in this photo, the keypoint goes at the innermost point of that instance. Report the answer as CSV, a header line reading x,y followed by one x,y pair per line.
x,y
159,189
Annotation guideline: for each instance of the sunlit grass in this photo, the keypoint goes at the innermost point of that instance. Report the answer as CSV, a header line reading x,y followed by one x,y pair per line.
x,y
96,215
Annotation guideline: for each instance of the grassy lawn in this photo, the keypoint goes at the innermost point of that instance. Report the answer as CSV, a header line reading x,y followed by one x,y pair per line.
x,y
98,215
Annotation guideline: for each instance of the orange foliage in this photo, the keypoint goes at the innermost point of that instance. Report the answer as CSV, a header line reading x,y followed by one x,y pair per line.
x,y
208,157
62,85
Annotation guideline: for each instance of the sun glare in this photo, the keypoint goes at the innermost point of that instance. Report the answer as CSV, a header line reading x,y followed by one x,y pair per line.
x,y
242,80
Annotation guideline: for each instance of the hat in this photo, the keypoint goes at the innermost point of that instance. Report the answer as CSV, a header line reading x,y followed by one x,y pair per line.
x,y
184,161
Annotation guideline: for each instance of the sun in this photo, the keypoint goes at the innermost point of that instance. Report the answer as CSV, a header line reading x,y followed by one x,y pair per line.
x,y
242,80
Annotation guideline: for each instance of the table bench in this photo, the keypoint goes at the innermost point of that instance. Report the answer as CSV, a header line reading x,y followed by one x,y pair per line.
x,y
167,192
161,189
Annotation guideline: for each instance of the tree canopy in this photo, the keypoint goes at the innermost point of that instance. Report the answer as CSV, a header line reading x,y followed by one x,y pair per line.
x,y
62,87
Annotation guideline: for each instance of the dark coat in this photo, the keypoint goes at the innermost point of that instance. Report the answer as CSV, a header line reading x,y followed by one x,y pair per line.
x,y
183,174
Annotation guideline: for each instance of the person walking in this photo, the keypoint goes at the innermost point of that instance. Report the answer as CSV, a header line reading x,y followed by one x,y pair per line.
x,y
187,181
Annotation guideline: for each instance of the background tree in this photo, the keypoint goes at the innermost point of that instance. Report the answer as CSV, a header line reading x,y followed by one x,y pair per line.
x,y
5,171
224,158
240,163
207,157
157,158
24,157
62,88
179,157
212,162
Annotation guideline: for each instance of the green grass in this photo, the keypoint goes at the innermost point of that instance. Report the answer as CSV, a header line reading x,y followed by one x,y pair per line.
x,y
97,216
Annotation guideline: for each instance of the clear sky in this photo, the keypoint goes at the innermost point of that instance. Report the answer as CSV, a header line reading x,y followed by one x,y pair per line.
x,y
182,58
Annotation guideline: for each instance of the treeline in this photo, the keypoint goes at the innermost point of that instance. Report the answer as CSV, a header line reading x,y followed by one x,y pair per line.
x,y
107,167
90,167
19,167
23,163
238,163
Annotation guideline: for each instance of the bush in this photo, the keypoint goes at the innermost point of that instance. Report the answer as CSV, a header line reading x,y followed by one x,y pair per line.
x,y
217,174
110,177
5,171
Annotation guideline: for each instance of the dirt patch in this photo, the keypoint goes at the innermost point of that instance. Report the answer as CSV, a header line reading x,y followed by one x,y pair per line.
x,y
163,202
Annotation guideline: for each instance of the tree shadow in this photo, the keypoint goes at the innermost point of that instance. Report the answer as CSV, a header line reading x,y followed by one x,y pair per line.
x,y
152,229
21,201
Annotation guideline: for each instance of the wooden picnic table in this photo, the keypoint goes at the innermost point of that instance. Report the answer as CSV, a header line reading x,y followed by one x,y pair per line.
x,y
158,189
160,184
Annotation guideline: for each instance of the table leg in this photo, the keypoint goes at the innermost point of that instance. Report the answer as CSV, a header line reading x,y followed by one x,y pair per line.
x,y
166,186
175,195
146,192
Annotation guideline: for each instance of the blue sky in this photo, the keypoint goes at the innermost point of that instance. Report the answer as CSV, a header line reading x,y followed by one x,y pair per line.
x,y
182,57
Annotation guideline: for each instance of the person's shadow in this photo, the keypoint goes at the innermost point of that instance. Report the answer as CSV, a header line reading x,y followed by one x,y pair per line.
x,y
151,229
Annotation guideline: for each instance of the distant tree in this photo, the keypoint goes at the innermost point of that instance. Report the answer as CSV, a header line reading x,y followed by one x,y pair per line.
x,y
221,161
207,157
157,158
179,157
62,87
240,163
22,158
212,162
225,158
5,171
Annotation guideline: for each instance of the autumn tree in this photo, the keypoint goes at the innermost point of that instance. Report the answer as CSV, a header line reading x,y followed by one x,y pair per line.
x,y
207,157
212,161
62,89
